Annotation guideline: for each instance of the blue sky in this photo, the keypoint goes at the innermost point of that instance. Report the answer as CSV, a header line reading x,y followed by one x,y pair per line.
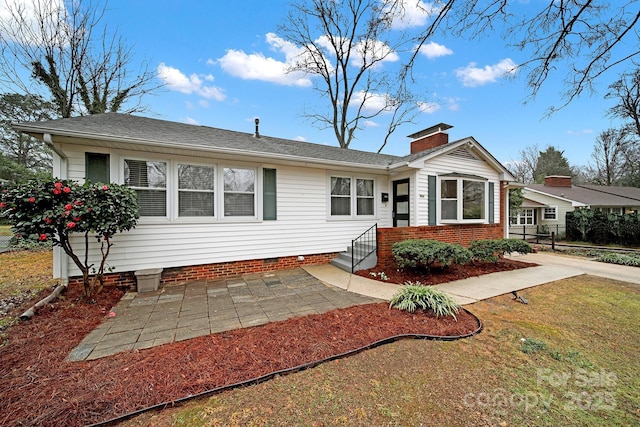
x,y
221,62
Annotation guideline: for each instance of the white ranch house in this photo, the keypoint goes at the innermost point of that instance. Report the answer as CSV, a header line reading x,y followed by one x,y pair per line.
x,y
216,202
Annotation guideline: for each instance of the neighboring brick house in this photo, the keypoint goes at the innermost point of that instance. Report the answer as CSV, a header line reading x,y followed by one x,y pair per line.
x,y
216,202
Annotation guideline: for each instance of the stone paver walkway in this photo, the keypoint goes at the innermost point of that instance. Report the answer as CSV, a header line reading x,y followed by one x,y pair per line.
x,y
192,309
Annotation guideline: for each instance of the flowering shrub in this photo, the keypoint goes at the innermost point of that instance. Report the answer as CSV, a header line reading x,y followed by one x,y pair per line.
x,y
43,210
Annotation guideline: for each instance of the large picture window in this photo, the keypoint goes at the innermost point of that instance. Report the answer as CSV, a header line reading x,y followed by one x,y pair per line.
x,y
463,200
149,180
550,213
239,192
196,190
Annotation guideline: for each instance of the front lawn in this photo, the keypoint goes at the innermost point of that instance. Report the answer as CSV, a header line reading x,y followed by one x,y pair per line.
x,y
577,365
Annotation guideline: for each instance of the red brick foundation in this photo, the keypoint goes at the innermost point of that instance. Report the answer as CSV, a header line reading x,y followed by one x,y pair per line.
x,y
461,234
215,271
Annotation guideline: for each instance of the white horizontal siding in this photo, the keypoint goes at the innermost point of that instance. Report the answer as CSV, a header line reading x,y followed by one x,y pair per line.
x,y
302,228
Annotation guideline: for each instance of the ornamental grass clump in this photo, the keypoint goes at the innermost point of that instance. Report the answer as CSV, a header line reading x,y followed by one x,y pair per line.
x,y
413,296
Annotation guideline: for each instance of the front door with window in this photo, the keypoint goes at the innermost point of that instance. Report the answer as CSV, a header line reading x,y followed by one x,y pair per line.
x,y
401,203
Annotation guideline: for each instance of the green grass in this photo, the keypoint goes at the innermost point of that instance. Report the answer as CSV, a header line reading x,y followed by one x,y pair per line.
x,y
584,372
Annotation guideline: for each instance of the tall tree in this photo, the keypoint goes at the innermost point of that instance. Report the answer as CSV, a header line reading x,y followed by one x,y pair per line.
x,y
583,37
68,54
551,162
345,44
524,168
613,155
626,91
26,151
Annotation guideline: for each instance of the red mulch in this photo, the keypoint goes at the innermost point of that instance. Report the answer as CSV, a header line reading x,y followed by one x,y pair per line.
x,y
39,388
438,275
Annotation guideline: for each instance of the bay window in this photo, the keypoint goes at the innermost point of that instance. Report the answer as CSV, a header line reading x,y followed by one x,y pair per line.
x,y
463,199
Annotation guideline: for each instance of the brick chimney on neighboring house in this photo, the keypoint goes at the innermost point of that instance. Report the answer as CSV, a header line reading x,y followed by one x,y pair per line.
x,y
432,137
557,181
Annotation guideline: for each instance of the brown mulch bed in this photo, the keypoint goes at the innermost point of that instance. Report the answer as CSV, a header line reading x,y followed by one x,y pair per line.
x,y
438,275
39,388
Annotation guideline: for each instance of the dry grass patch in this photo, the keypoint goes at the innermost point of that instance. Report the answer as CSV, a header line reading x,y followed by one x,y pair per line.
x,y
580,368
25,271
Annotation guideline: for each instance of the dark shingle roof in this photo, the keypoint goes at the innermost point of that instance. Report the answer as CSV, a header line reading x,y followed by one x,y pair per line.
x,y
593,195
144,130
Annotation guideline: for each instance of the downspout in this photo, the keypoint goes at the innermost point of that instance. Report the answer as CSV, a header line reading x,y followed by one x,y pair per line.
x,y
60,262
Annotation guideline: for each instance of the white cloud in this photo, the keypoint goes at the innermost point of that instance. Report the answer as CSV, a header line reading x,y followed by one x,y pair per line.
x,y
18,14
434,50
414,13
473,76
178,81
371,51
373,102
300,138
256,66
371,124
429,107
580,132
190,121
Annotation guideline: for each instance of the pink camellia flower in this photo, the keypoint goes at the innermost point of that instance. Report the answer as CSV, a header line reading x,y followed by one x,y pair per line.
x,y
43,237
68,207
77,219
18,236
71,224
78,203
32,199
58,185
66,190
57,191
48,220
3,205
105,188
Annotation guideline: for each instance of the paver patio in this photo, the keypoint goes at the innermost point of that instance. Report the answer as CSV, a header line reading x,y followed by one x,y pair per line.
x,y
188,310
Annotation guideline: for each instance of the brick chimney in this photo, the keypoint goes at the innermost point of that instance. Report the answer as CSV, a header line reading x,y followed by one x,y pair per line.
x,y
557,181
432,137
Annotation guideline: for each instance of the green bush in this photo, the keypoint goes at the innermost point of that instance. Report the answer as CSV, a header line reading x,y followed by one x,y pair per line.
x,y
418,253
621,259
415,295
493,250
532,345
52,210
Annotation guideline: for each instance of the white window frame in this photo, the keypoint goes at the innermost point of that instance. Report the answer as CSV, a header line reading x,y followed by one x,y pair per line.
x,y
168,184
555,213
256,190
172,190
519,217
215,190
353,197
460,200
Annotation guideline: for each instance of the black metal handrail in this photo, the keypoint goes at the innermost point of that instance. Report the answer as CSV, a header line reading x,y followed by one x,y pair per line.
x,y
363,246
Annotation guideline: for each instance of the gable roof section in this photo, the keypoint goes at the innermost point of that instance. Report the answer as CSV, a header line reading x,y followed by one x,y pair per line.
x,y
592,195
127,129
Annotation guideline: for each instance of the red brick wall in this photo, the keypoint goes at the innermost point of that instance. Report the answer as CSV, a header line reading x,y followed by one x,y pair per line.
x,y
428,142
217,270
557,181
461,234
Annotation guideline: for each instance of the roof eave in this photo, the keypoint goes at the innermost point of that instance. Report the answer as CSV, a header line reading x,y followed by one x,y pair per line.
x,y
38,132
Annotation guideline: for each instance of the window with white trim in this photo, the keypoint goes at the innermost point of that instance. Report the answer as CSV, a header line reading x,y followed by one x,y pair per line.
x,y
523,217
550,213
196,190
463,199
149,180
239,192
348,200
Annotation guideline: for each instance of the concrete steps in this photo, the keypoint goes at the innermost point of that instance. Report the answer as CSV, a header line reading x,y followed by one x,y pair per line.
x,y
344,259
